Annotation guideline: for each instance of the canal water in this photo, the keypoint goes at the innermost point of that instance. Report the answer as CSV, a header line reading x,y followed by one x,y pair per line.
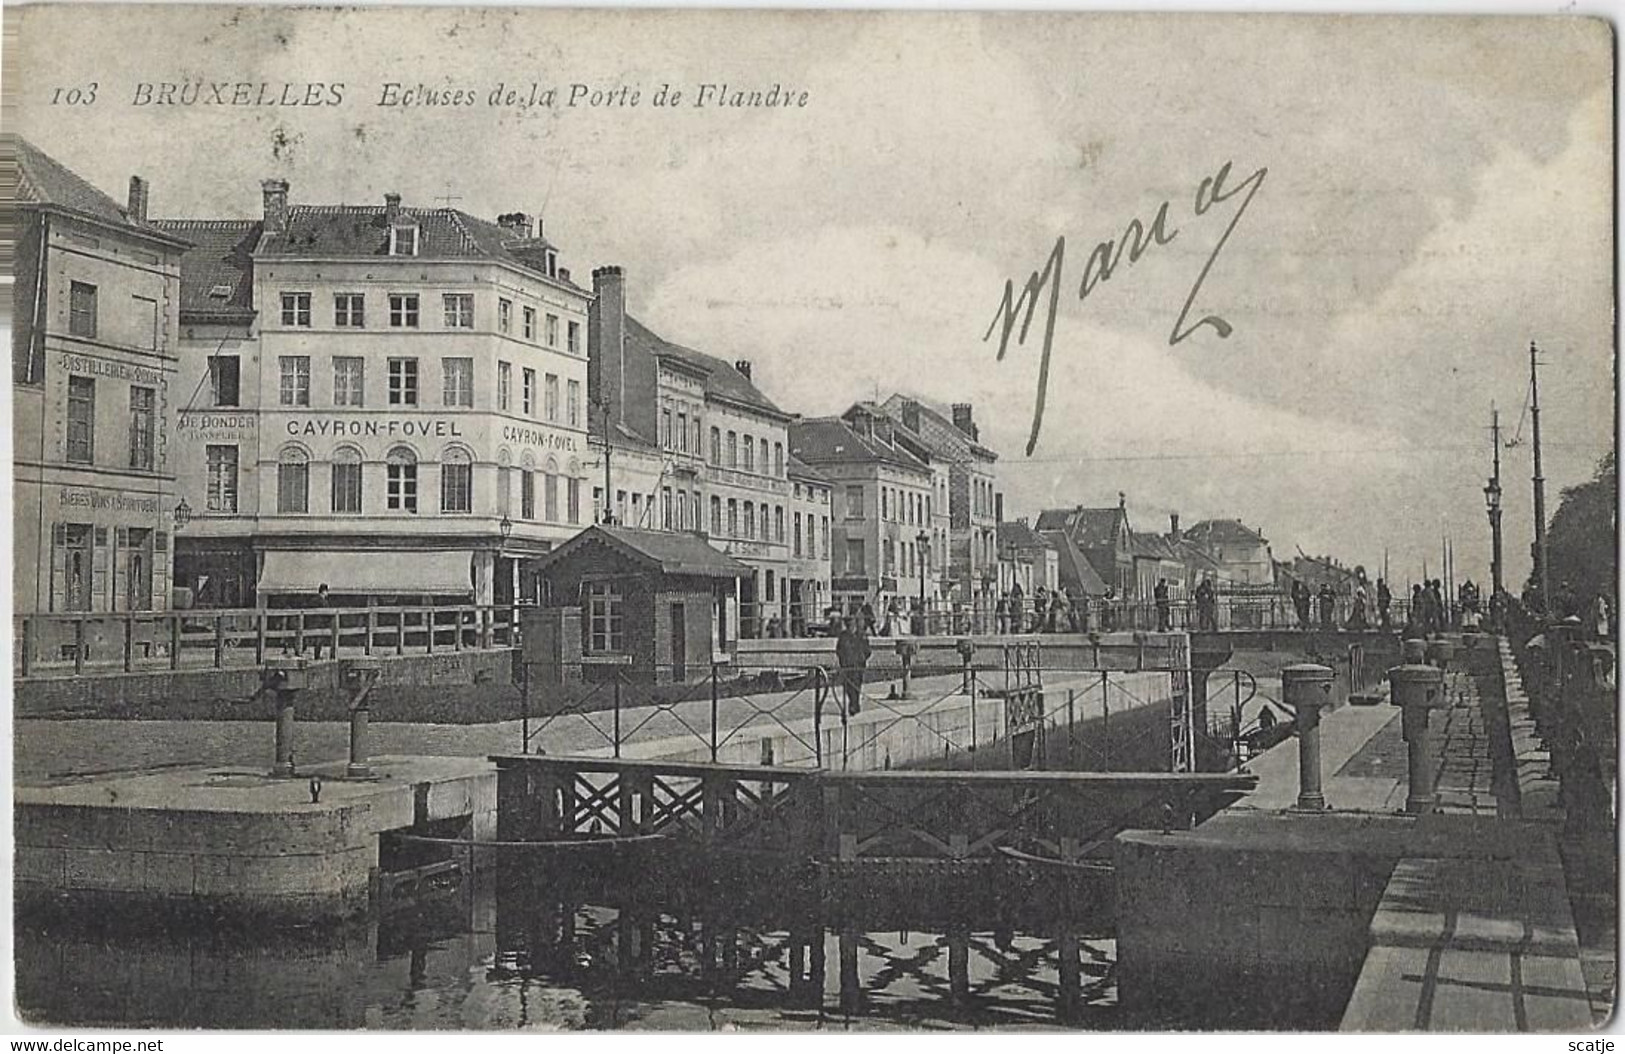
x,y
498,955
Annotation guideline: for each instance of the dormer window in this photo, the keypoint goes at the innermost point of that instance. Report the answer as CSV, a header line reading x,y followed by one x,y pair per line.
x,y
403,241
552,262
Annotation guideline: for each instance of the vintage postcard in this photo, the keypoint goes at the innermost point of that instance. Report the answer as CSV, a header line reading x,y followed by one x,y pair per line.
x,y
546,519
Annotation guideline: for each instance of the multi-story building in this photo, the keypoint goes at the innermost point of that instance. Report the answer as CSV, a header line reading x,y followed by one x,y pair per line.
x,y
723,450
373,382
807,592
94,317
1242,553
954,446
881,506
1027,559
1104,538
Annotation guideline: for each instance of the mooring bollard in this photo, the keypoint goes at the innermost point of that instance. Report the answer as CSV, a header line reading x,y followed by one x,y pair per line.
x,y
359,677
1439,653
906,650
1417,688
967,655
1307,688
284,678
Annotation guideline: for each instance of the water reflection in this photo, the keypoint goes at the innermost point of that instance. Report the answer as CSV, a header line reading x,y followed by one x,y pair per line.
x,y
533,952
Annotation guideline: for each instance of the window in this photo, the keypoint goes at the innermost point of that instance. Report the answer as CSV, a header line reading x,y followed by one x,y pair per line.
x,y
349,380
550,496
143,427
573,496
346,480
682,432
750,519
823,534
296,309
694,443
504,490
778,459
505,315
716,446
527,495
885,503
733,450
459,310
146,310
527,393
82,309
403,241
550,397
458,377
504,385
665,428
222,490
620,507
401,475
603,611
349,310
552,331
797,536
750,454
854,503
599,509
733,518
574,345
573,402
665,508
716,515
530,323
293,481
889,564
855,557
81,420
456,482
764,457
294,387
403,310
224,379
403,382
778,523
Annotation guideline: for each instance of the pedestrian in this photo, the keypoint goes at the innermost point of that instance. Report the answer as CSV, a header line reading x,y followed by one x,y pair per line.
x,y
852,653
1018,617
1165,606
1328,603
1040,609
866,616
1384,600
1601,617
1300,601
1058,608
322,603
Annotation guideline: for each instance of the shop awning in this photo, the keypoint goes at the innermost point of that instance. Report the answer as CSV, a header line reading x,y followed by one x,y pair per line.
x,y
352,573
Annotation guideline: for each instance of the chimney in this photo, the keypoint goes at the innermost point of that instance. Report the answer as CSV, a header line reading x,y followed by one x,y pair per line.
x,y
606,346
392,208
964,421
883,429
517,224
564,274
1122,500
743,366
137,208
1173,525
911,416
998,507
275,192
862,422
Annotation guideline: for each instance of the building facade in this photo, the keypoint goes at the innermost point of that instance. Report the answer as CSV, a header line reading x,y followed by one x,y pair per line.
x,y
94,321
372,382
723,450
808,592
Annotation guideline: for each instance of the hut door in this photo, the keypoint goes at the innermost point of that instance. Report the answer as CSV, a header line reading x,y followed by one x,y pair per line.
x,y
679,644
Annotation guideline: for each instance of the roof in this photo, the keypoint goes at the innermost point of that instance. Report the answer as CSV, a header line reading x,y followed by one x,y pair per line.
x,y
1154,546
1016,534
1089,528
1076,573
348,231
43,180
830,440
722,378
668,552
217,272
1228,532
937,430
796,468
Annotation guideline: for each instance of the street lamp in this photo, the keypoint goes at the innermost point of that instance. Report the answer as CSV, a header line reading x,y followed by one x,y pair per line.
x,y
1492,505
506,528
923,542
183,514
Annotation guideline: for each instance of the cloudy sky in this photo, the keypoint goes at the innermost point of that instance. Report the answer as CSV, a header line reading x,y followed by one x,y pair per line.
x,y
1437,195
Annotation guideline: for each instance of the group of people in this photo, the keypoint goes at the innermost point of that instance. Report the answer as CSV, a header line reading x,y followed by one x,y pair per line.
x,y
1053,611
1305,601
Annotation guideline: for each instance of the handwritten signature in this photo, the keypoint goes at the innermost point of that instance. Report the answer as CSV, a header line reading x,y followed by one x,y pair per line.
x,y
1106,257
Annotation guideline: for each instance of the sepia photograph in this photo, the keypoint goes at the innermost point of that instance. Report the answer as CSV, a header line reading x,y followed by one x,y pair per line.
x,y
822,521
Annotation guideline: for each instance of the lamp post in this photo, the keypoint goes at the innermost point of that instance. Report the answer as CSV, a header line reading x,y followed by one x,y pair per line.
x,y
923,542
1492,504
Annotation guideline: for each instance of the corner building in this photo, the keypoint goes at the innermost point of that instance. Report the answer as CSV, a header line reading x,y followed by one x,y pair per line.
x,y
385,399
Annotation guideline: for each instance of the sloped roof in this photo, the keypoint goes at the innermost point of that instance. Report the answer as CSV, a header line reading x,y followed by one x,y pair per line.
x,y
944,438
1226,532
668,552
43,180
796,468
830,440
1015,534
220,260
348,231
1152,545
1089,528
1076,573
722,379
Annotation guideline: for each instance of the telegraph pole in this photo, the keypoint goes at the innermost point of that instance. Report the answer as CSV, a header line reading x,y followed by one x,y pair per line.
x,y
1542,572
1492,502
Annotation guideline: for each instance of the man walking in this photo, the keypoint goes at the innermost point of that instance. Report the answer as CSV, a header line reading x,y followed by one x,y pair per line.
x,y
322,601
1384,599
852,653
1164,606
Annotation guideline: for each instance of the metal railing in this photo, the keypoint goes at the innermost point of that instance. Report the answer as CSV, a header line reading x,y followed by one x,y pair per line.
x,y
113,642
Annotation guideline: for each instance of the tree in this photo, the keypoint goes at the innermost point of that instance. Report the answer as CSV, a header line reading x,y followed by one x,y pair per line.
x,y
1581,541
